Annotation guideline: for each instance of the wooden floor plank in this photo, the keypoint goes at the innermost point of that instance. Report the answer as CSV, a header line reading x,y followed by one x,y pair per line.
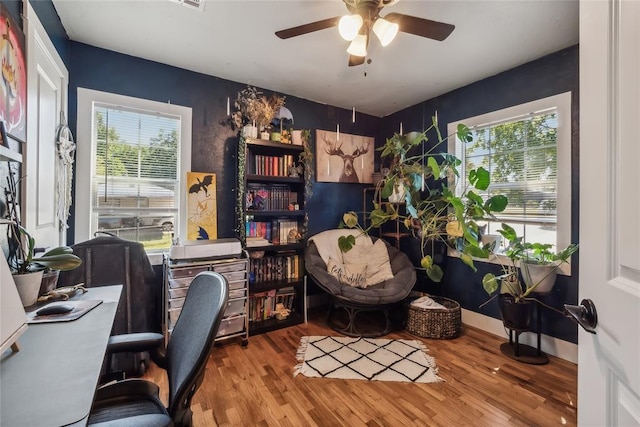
x,y
255,386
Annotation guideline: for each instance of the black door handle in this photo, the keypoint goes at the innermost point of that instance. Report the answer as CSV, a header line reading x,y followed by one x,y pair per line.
x,y
584,314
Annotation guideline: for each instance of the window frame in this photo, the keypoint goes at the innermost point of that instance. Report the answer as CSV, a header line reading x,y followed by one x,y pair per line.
x,y
562,104
86,152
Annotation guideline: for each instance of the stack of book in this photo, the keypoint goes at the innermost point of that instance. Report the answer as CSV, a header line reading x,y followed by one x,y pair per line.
x,y
253,242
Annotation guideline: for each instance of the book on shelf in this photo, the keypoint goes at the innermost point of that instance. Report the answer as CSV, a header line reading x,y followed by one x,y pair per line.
x,y
270,165
269,197
275,268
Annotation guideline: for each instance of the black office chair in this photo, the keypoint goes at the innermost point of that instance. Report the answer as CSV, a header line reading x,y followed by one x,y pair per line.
x,y
136,402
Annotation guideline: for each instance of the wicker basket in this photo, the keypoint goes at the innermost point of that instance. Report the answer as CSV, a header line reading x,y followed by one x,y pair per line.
x,y
435,322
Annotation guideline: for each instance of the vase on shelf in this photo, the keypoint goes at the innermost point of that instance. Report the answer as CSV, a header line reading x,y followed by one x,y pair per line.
x,y
250,131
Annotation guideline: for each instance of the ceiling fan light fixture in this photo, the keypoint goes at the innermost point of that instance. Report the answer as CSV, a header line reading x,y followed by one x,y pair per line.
x,y
358,46
349,26
385,30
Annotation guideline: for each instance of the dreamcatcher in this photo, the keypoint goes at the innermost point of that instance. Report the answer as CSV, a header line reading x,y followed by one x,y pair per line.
x,y
66,153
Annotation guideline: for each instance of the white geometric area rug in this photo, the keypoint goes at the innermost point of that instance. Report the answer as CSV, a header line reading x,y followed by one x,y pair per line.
x,y
365,359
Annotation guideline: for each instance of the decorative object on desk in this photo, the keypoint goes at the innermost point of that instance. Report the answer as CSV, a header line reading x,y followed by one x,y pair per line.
x,y
347,158
432,210
202,212
62,294
13,105
365,359
265,135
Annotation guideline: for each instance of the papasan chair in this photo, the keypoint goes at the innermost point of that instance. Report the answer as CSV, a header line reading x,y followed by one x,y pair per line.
x,y
323,250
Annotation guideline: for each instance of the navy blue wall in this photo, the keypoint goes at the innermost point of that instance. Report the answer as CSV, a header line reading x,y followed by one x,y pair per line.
x,y
214,144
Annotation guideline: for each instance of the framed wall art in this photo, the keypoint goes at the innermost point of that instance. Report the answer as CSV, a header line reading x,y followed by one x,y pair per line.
x,y
202,212
13,84
342,157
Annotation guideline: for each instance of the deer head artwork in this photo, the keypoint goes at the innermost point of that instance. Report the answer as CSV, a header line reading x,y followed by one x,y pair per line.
x,y
348,171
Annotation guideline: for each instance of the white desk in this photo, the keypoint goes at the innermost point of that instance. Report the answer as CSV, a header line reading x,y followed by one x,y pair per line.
x,y
51,381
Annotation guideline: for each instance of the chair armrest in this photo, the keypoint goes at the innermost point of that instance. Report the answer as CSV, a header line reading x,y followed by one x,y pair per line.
x,y
144,341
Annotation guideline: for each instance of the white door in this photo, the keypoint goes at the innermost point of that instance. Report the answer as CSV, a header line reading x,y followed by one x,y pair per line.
x,y
609,362
47,81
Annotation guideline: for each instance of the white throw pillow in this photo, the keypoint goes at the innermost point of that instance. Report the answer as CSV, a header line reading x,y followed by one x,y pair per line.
x,y
377,258
327,242
349,274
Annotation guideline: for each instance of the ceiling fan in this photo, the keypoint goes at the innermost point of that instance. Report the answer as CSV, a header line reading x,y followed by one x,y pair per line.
x,y
364,17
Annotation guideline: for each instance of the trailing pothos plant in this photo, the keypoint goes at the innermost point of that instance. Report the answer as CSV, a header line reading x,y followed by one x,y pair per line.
x,y
429,206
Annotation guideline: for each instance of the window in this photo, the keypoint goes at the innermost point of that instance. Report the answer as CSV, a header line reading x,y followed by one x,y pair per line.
x,y
527,150
129,179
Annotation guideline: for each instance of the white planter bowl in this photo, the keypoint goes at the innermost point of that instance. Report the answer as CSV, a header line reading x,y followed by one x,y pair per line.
x,y
534,273
28,286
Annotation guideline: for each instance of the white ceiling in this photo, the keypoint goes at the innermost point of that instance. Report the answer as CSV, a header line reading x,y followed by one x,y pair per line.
x,y
235,40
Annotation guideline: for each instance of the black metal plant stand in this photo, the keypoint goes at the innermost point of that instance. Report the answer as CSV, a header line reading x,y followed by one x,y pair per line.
x,y
522,352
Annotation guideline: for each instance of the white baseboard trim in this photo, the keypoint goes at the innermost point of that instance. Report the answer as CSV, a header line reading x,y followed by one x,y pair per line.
x,y
550,345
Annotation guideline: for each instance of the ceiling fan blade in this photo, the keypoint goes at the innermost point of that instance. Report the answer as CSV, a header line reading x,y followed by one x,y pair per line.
x,y
355,60
308,28
420,26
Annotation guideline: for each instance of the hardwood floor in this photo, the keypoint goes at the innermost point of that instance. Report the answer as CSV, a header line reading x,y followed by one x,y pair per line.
x,y
254,386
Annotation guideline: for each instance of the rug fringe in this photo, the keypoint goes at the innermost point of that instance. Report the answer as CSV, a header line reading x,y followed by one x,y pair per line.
x,y
302,348
431,362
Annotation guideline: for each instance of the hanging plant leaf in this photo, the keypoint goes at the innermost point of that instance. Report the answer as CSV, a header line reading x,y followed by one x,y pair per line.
x,y
426,262
468,260
480,178
464,133
345,243
350,219
454,229
435,168
435,273
497,203
489,283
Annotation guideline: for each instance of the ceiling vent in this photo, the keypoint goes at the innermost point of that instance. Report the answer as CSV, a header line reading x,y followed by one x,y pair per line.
x,y
194,4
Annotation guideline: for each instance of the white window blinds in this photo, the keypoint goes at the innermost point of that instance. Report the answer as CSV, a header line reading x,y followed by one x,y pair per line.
x,y
522,158
135,183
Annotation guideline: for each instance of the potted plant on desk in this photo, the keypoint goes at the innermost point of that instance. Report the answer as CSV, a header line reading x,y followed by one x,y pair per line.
x,y
514,296
27,269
